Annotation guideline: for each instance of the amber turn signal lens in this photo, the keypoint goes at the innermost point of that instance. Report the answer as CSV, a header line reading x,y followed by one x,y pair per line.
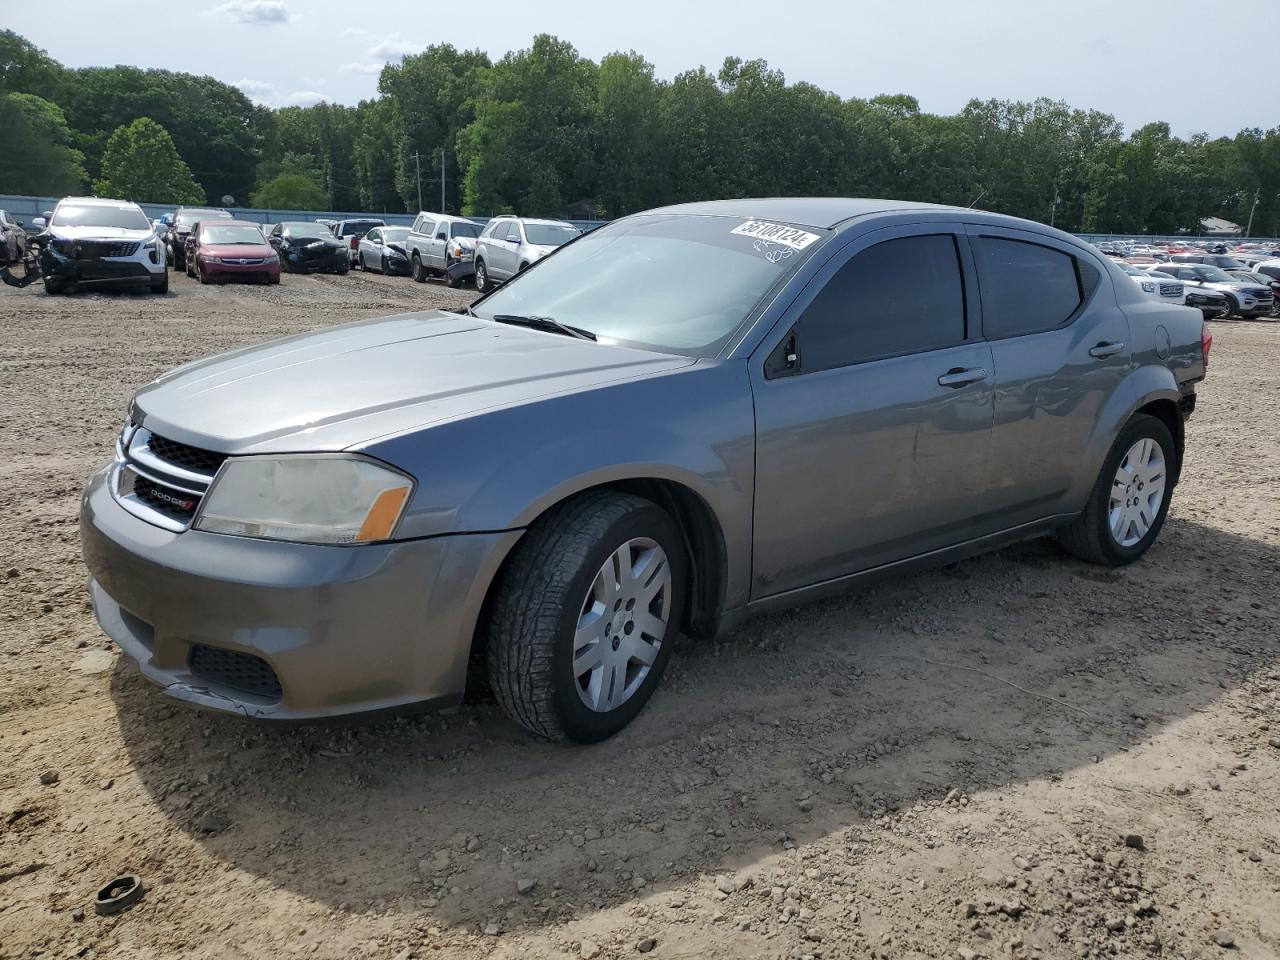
x,y
382,516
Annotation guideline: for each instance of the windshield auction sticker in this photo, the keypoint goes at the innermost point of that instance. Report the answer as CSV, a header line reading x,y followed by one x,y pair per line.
x,y
775,233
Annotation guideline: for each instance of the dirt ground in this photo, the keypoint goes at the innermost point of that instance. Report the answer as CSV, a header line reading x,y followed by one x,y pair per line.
x,y
945,766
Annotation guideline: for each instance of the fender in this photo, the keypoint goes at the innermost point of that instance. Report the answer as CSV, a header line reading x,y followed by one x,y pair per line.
x,y
1141,386
501,469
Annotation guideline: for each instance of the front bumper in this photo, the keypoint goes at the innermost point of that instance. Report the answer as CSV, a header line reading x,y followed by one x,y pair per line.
x,y
344,630
234,271
90,270
458,270
329,262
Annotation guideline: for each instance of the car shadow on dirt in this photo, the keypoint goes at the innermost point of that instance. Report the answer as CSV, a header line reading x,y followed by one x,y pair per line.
x,y
1014,667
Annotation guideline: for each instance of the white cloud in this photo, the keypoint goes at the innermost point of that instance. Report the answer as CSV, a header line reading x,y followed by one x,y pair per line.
x,y
374,67
301,98
258,90
393,47
255,11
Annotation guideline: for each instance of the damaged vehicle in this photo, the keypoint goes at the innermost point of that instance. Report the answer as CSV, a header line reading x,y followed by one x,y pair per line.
x,y
93,242
683,418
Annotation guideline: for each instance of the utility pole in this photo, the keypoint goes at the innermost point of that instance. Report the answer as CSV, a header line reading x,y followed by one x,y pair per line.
x,y
1256,194
442,209
1053,209
417,159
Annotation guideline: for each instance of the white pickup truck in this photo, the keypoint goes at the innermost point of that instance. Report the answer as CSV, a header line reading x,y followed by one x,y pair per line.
x,y
441,245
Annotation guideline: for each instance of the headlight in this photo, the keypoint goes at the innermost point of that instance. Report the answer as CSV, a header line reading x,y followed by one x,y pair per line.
x,y
271,258
1148,286
208,259
318,498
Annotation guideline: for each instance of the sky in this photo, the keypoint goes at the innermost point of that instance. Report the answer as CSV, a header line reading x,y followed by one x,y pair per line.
x,y
1115,56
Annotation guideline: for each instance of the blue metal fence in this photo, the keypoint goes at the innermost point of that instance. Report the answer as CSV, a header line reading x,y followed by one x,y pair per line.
x,y
24,208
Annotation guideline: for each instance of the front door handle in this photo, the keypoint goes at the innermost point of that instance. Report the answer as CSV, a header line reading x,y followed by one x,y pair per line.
x,y
962,376
1108,348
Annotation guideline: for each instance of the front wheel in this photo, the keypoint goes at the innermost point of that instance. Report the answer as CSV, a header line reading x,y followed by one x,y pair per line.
x,y
584,615
161,285
1130,500
419,274
52,286
1233,307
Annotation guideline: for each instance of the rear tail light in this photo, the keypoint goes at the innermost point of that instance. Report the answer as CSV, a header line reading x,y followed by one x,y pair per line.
x,y
1206,343
355,242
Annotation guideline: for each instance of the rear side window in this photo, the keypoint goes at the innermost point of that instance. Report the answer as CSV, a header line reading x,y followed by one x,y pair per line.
x,y
1028,288
899,296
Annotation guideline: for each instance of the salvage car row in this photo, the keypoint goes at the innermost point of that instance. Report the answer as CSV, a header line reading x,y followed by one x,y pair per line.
x,y
87,241
1244,282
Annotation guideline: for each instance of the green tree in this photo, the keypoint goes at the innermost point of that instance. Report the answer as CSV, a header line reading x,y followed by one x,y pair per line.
x,y
25,68
290,191
141,164
39,161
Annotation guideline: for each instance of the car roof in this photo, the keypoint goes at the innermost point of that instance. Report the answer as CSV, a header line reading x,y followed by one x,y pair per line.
x,y
98,202
816,211
224,222
544,223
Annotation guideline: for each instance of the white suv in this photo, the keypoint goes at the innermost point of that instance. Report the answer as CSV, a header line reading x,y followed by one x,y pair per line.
x,y
1155,284
91,241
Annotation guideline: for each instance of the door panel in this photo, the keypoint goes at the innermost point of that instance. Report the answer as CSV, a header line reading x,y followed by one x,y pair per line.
x,y
1050,388
863,465
861,462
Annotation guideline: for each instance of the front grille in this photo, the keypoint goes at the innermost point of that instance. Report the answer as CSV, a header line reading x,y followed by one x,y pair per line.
x,y
171,503
107,248
183,455
238,671
1170,289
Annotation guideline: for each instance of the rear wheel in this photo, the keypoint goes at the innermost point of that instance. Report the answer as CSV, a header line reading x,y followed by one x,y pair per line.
x,y
344,267
1130,501
584,615
482,277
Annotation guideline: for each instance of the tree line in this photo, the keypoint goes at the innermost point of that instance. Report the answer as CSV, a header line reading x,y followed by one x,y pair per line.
x,y
547,132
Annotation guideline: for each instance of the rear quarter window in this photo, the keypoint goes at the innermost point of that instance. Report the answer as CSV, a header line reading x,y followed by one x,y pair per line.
x,y
1029,288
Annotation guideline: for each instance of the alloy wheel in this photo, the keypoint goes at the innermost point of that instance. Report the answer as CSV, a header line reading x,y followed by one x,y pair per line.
x,y
622,624
1137,492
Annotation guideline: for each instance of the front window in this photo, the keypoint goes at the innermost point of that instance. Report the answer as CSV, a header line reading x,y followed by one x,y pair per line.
x,y
306,231
548,234
681,284
189,218
235,234
1213,275
100,215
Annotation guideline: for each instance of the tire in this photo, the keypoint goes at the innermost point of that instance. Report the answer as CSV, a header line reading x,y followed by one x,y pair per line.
x,y
1090,536
361,264
343,268
1233,307
419,274
200,273
523,268
383,267
542,593
453,283
482,277
52,286
161,285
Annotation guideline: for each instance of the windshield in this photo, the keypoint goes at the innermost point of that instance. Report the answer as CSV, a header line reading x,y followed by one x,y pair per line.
x,y
681,284
461,228
1131,270
304,230
188,218
1229,263
353,228
1161,276
100,215
231,234
549,235
395,234
1213,275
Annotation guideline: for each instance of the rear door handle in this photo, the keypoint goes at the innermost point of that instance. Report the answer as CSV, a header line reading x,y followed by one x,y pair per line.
x,y
1108,348
962,376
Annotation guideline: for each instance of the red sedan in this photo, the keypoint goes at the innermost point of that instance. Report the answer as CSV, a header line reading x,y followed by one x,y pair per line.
x,y
219,250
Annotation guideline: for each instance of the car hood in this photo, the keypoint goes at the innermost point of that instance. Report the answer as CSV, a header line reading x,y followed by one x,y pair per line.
x,y
346,386
235,250
90,232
